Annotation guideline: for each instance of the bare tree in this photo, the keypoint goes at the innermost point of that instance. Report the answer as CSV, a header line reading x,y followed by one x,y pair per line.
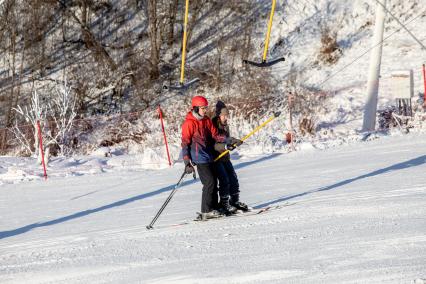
x,y
60,109
10,24
153,38
172,20
89,39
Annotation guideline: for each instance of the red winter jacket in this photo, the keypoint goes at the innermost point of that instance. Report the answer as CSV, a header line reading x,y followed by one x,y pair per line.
x,y
198,139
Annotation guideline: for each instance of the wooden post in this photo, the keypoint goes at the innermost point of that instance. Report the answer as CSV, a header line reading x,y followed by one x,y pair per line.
x,y
40,142
424,82
164,134
290,113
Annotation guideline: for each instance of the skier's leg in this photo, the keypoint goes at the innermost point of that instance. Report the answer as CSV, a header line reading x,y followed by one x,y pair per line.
x,y
222,176
208,179
234,188
215,197
224,185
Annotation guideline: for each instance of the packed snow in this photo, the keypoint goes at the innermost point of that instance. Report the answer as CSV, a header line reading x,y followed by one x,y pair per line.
x,y
350,214
352,206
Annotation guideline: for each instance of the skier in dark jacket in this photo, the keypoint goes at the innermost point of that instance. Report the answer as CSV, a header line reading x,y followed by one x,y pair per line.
x,y
198,140
228,181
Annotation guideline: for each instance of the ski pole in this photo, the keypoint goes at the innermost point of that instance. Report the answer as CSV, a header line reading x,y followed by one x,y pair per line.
x,y
150,226
275,115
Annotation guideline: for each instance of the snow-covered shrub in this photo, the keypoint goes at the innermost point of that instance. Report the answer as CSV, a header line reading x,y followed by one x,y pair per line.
x,y
55,113
62,112
389,118
35,112
123,129
305,103
330,52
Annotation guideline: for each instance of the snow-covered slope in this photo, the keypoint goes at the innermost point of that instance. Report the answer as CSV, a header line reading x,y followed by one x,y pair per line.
x,y
350,214
353,214
297,36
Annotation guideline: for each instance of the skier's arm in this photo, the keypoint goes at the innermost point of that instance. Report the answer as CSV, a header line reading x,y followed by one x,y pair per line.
x,y
187,133
229,142
215,133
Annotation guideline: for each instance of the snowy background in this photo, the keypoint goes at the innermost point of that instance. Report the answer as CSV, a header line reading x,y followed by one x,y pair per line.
x,y
352,207
352,214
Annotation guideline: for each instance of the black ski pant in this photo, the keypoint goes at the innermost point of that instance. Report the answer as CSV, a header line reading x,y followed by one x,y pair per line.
x,y
228,180
209,201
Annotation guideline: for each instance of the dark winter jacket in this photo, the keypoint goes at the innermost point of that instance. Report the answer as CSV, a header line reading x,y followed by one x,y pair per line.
x,y
198,139
222,129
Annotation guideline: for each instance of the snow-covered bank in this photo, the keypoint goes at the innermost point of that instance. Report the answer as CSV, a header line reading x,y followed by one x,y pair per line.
x,y
355,214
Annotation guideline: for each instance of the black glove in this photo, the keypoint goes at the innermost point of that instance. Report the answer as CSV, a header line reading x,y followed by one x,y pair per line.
x,y
236,142
230,147
233,143
220,147
189,169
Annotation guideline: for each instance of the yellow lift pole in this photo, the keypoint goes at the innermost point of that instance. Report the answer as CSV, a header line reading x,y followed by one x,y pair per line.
x,y
251,133
182,67
268,34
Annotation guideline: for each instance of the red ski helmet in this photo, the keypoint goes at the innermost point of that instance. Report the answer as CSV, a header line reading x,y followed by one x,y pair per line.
x,y
199,101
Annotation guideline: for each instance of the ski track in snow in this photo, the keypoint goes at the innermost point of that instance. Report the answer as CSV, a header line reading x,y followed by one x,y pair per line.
x,y
355,214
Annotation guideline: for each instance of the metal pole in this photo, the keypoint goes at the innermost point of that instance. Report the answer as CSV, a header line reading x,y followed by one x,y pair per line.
x,y
150,226
182,67
251,133
268,34
374,73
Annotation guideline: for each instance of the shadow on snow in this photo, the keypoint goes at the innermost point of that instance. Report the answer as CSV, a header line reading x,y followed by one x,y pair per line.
x,y
400,166
27,228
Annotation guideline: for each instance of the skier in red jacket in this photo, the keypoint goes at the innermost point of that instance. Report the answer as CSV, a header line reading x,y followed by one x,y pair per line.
x,y
198,139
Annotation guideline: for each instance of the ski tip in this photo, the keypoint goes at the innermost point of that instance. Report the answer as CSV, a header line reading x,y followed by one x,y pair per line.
x,y
149,227
277,113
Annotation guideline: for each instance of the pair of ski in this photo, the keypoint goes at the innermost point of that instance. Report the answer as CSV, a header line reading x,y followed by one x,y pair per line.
x,y
240,214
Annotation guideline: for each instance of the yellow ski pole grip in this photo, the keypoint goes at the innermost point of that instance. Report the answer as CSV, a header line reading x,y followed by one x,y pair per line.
x,y
276,114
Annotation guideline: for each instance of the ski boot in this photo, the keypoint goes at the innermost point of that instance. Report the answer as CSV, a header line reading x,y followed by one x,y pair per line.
x,y
226,208
241,206
235,202
208,215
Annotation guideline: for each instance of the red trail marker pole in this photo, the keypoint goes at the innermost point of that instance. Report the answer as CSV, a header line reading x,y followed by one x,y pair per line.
x,y
40,142
164,134
424,81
